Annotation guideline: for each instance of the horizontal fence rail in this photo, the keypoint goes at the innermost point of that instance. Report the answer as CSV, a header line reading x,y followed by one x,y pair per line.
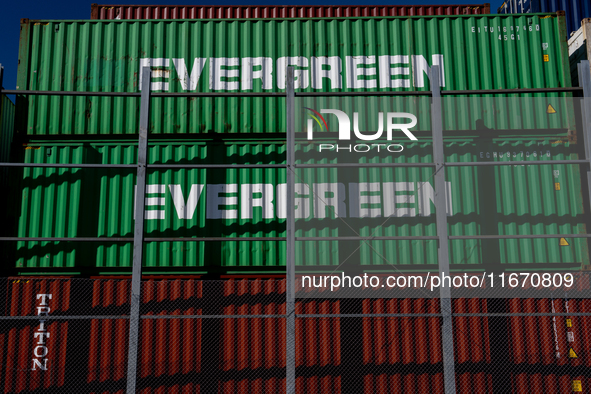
x,y
297,315
296,94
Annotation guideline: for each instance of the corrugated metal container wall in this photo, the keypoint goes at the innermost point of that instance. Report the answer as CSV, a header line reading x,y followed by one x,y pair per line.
x,y
125,11
92,202
7,112
18,343
544,341
576,10
353,354
194,55
388,346
579,48
189,355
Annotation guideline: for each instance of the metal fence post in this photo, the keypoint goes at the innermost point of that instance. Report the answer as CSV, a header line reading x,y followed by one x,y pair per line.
x,y
447,338
138,236
585,82
290,234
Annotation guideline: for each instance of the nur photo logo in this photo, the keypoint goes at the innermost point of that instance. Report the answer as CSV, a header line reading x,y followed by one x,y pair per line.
x,y
393,122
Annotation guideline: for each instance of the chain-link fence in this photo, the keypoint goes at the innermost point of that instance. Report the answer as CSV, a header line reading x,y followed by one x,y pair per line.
x,y
71,335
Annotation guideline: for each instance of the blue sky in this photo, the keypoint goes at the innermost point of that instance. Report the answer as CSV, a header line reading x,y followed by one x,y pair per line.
x,y
12,11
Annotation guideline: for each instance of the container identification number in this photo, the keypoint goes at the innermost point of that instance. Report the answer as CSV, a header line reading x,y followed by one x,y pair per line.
x,y
510,33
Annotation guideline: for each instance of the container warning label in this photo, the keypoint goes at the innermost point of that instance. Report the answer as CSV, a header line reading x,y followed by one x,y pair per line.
x,y
550,109
546,58
563,242
577,386
556,185
572,354
569,322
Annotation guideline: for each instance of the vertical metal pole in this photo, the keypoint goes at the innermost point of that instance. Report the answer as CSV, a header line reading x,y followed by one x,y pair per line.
x,y
138,235
585,83
586,25
447,336
290,375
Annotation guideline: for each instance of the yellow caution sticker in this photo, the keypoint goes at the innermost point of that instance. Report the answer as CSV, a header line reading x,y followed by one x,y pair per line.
x,y
572,353
550,109
569,323
546,58
577,386
556,185
563,242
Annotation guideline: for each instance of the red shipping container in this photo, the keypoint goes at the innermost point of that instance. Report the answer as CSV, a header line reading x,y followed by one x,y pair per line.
x,y
247,354
542,343
34,351
124,11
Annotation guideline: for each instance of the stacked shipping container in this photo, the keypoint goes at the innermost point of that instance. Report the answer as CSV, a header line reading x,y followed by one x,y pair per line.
x,y
126,11
110,193
183,60
7,111
576,10
509,52
333,354
579,48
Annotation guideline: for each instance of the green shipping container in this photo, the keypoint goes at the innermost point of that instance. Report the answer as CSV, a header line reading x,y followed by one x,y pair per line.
x,y
251,202
330,55
7,111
